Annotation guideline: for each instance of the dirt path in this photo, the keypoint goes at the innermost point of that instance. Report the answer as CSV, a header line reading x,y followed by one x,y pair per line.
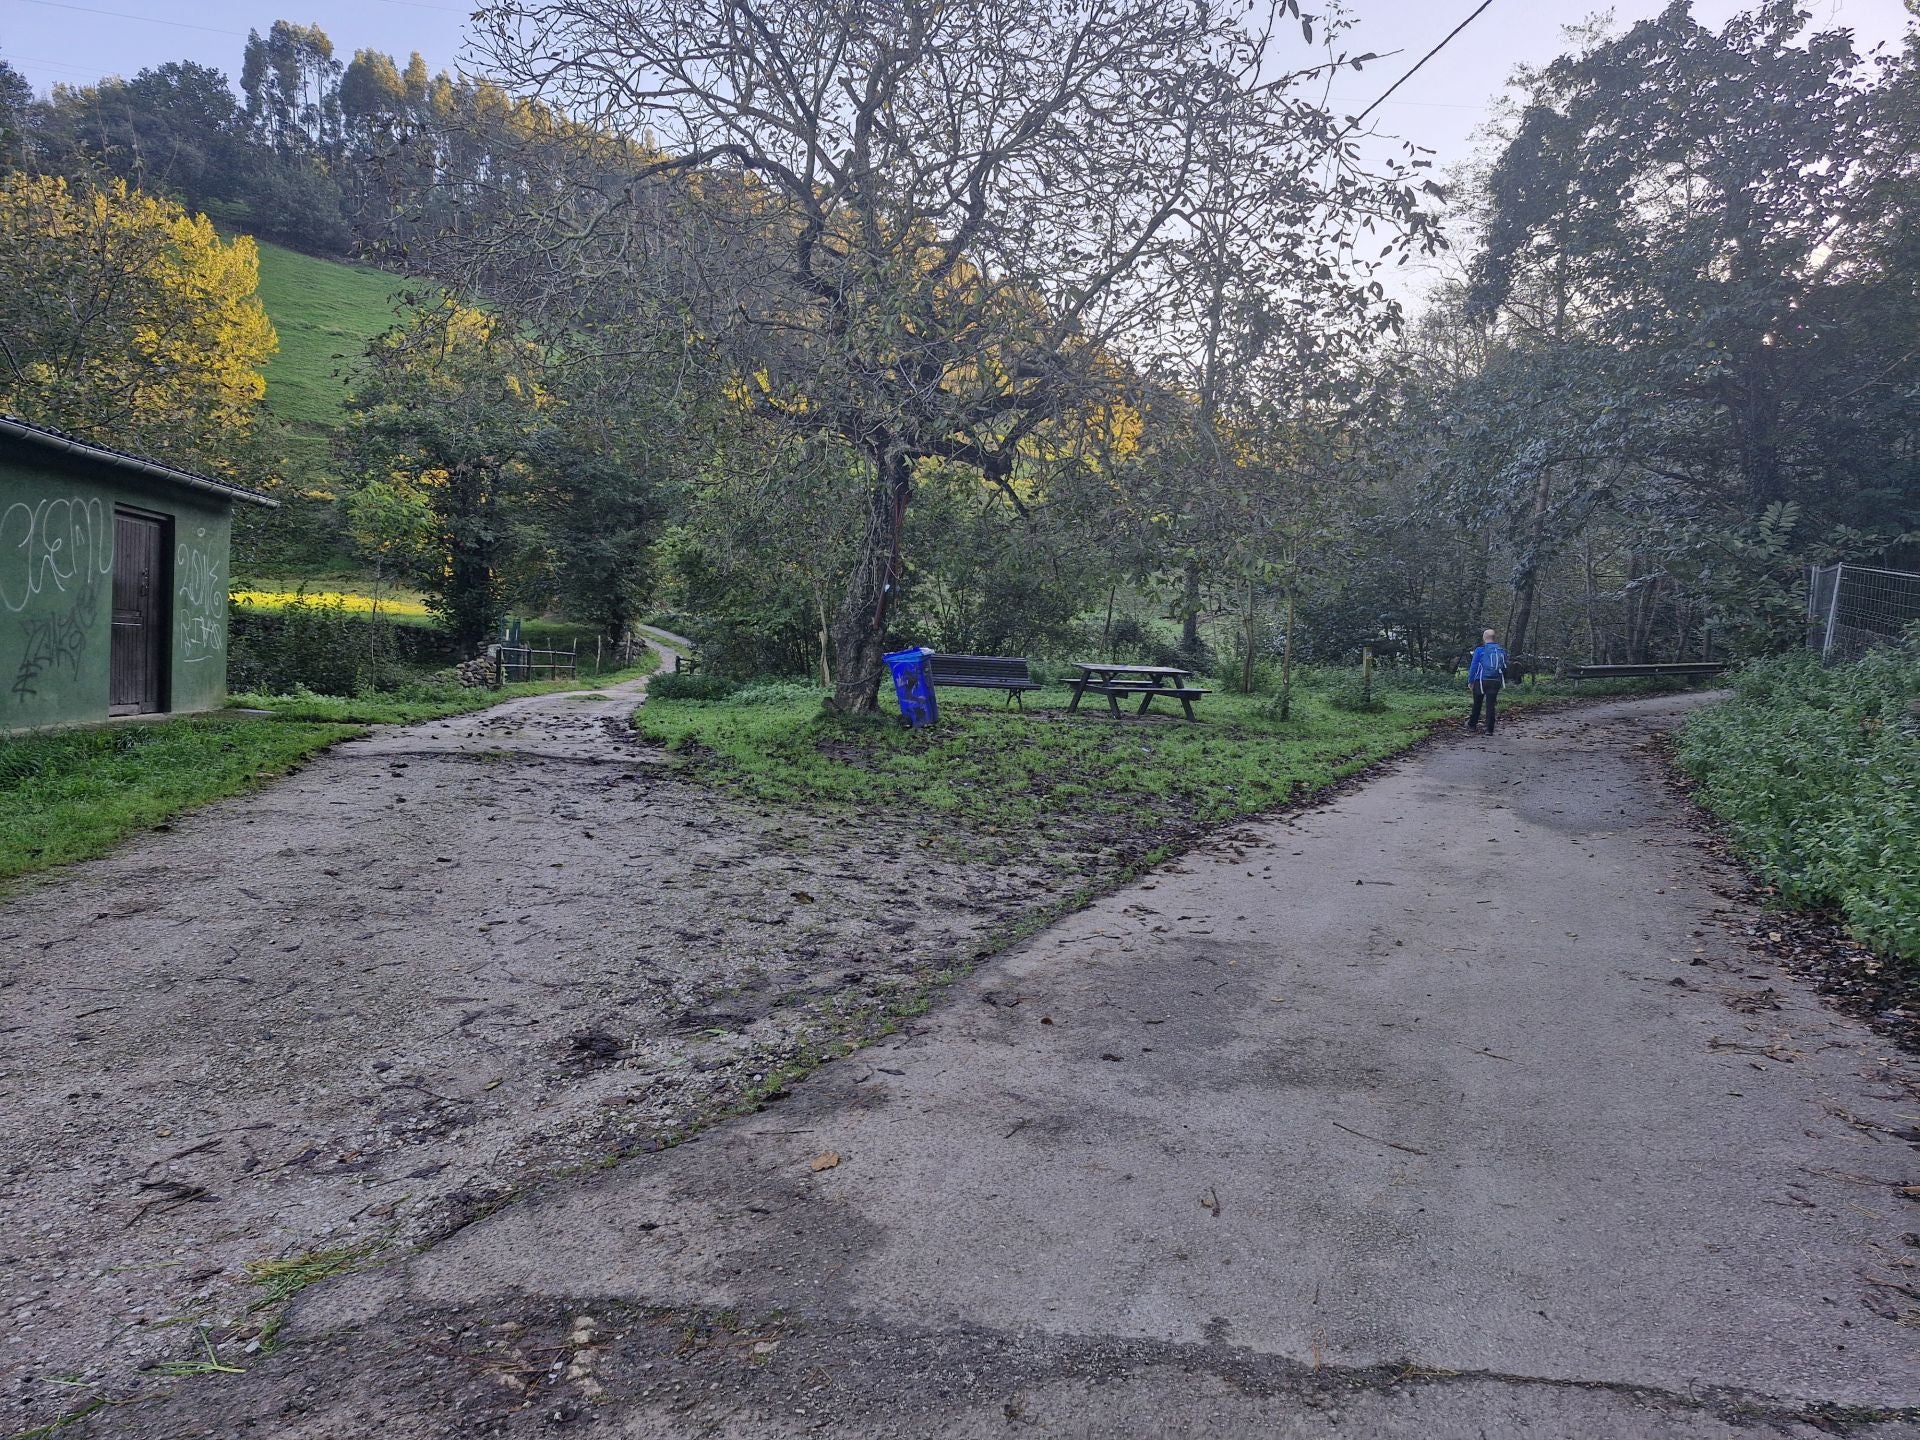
x,y
361,1006
1447,1109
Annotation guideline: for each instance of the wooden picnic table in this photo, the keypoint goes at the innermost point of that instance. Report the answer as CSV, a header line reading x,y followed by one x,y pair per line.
x,y
1149,682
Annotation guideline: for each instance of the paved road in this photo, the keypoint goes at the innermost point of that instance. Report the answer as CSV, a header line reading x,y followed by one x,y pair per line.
x,y
1446,1109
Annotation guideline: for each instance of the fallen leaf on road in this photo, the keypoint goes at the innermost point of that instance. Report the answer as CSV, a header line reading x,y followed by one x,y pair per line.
x,y
825,1161
802,897
1211,1202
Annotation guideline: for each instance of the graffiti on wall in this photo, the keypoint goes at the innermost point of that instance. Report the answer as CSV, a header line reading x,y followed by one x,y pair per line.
x,y
56,640
200,600
57,546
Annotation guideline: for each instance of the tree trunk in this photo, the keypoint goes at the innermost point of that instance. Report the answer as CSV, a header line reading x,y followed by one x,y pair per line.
x,y
826,668
1529,582
1286,664
1246,673
1649,618
1477,586
860,629
1593,630
1190,611
1522,611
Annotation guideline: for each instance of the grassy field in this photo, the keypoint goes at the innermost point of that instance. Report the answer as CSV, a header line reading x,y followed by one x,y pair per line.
x,y
402,607
325,312
1044,777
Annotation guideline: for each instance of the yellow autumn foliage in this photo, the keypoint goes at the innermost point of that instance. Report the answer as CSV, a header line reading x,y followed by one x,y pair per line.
x,y
128,320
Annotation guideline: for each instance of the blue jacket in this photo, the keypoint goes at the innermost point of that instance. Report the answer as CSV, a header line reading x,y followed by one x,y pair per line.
x,y
1489,663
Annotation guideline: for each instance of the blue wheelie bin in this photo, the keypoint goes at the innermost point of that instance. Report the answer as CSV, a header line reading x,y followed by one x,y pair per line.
x,y
913,683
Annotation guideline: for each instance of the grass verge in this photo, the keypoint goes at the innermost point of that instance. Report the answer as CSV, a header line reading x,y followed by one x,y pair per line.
x,y
74,794
1816,773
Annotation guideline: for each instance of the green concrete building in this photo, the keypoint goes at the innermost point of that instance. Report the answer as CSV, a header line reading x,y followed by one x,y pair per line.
x,y
113,582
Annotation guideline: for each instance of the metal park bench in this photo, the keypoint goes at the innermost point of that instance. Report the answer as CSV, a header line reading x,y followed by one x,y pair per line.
x,y
1692,670
983,672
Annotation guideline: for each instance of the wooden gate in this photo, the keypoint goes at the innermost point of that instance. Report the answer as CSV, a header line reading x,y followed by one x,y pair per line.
x,y
135,686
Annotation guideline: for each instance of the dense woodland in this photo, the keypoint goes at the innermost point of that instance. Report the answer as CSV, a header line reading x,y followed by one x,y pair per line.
x,y
1017,329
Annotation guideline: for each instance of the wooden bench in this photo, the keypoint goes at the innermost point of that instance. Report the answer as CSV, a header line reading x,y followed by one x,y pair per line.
x,y
983,672
1146,681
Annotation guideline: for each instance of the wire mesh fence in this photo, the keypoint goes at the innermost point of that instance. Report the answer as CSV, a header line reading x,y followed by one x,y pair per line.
x,y
1852,608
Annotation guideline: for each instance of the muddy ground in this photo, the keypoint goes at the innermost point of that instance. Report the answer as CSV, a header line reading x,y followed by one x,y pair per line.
x,y
360,1007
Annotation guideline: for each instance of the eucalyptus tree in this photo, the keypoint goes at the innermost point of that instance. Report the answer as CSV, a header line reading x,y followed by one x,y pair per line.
x,y
928,231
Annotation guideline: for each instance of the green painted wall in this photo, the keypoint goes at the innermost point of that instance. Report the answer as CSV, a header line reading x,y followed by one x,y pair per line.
x,y
56,587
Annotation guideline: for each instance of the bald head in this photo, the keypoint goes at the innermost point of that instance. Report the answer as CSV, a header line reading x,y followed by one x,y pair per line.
x,y
1486,637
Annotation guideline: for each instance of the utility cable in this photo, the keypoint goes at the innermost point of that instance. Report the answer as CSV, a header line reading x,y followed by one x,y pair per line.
x,y
1355,121
123,15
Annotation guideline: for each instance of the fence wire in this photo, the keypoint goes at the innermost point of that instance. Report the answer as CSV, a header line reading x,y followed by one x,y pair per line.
x,y
1852,608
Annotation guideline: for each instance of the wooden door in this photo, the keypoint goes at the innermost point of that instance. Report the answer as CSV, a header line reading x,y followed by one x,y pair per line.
x,y
139,618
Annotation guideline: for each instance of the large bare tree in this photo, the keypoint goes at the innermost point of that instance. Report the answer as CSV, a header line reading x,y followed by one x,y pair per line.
x,y
929,230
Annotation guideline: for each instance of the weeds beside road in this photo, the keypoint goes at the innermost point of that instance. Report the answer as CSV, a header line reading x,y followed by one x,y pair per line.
x,y
1817,774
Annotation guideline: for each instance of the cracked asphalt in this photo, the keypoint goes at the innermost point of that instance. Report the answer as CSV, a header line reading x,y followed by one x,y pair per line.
x,y
1449,1107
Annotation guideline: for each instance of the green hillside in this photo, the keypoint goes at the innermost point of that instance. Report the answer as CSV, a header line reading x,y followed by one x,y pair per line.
x,y
325,313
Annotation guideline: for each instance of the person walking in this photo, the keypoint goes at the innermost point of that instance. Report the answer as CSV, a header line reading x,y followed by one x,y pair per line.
x,y
1486,674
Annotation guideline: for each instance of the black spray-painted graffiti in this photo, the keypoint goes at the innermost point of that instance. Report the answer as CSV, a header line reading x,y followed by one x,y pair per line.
x,y
53,547
56,640
200,599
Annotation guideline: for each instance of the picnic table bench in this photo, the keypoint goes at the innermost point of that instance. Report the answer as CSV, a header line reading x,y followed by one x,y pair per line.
x,y
1149,682
983,672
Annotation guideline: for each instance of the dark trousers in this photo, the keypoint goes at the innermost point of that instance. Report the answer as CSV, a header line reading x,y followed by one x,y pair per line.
x,y
1489,692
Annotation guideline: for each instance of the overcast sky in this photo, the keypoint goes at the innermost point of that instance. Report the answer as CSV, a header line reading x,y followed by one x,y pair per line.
x,y
1441,107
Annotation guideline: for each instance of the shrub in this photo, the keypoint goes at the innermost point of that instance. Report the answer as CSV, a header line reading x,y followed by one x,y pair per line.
x,y
1351,692
319,642
768,692
1231,671
1132,641
1817,775
692,685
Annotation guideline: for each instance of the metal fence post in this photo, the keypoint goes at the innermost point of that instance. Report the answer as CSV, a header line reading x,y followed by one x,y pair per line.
x,y
1833,611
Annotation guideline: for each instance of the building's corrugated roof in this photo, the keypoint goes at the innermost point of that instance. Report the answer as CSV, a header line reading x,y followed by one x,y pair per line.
x,y
12,427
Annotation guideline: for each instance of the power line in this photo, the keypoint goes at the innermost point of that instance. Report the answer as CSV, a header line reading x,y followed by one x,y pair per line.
x,y
1351,124
123,15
